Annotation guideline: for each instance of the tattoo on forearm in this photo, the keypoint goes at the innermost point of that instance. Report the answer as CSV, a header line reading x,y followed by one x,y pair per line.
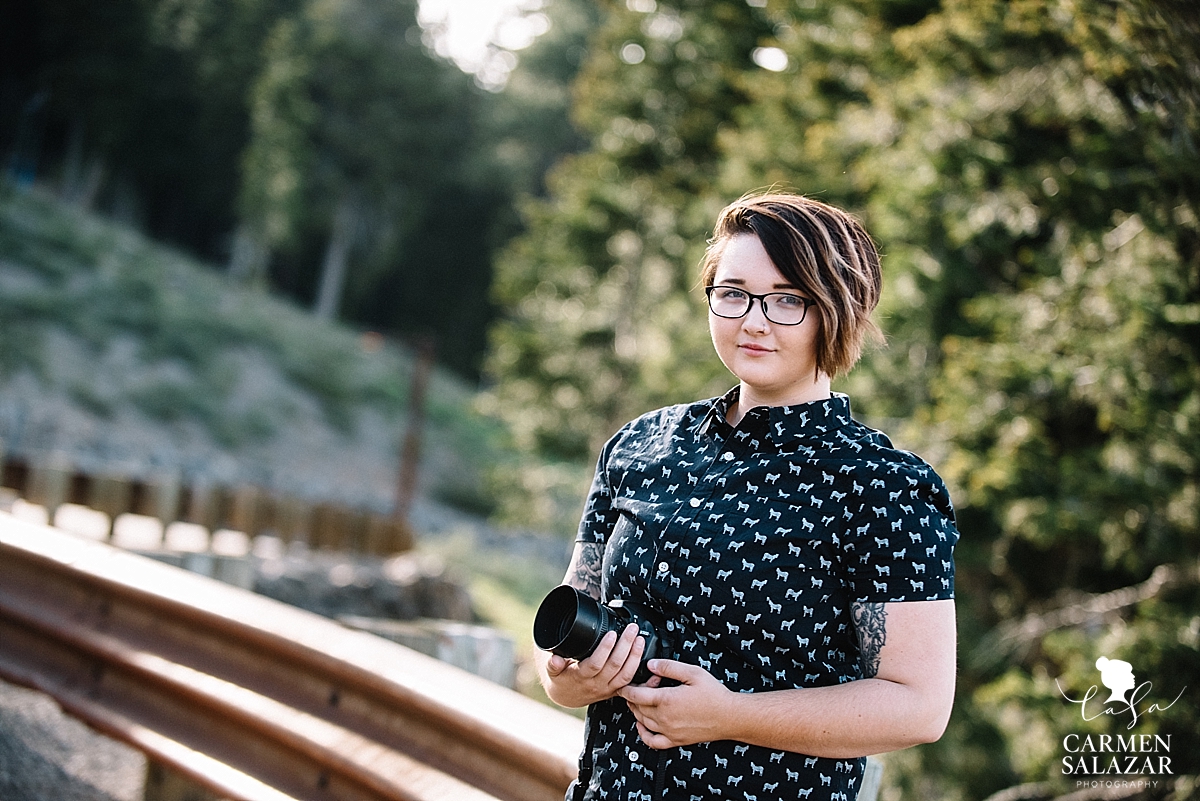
x,y
587,568
870,621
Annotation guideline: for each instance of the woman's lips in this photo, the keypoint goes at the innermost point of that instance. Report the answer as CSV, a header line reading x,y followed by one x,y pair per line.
x,y
752,348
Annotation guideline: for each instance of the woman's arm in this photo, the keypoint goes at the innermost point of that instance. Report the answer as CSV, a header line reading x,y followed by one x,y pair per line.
x,y
611,666
908,652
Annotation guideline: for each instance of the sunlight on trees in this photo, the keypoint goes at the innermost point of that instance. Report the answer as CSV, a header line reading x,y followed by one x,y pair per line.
x,y
1030,172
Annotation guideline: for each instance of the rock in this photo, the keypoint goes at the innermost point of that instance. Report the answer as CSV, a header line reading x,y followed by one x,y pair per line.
x,y
405,587
45,754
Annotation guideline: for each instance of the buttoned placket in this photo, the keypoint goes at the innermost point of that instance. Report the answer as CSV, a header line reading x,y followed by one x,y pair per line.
x,y
689,516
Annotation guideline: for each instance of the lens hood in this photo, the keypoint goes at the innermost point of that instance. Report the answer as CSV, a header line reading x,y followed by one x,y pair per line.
x,y
571,623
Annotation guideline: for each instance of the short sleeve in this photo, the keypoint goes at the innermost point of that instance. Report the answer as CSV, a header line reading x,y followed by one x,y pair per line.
x,y
901,545
599,516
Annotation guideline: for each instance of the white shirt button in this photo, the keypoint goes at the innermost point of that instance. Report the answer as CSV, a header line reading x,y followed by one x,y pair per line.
x,y
633,756
727,456
663,567
694,502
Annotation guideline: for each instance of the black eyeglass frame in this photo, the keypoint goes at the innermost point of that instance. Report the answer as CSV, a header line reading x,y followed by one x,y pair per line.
x,y
762,299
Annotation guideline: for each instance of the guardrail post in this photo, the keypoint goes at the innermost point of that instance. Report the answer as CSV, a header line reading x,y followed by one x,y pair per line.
x,y
197,505
79,488
48,484
410,447
387,535
111,495
293,520
243,506
158,498
320,533
266,515
357,531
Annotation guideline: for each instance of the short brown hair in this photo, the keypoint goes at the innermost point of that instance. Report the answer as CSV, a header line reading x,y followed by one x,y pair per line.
x,y
825,253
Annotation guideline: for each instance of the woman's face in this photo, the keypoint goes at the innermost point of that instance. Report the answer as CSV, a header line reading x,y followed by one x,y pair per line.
x,y
776,364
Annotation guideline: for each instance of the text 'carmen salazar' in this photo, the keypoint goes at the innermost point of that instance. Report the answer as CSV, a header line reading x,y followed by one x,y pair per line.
x,y
1109,754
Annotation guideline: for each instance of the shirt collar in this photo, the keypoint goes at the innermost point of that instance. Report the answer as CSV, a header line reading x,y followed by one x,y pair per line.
x,y
783,424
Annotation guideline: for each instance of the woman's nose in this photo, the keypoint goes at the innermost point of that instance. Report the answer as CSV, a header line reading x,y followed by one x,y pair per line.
x,y
756,317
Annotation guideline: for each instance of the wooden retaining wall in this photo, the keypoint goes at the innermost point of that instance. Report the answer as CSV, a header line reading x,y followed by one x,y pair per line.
x,y
249,509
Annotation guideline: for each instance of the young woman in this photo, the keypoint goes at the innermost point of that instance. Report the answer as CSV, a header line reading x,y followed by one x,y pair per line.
x,y
803,565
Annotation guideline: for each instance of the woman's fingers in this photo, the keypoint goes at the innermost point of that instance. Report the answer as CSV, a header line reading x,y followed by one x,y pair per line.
x,y
593,665
624,647
615,659
652,738
610,667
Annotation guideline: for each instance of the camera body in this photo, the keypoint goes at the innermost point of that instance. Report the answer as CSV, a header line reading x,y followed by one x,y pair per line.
x,y
570,623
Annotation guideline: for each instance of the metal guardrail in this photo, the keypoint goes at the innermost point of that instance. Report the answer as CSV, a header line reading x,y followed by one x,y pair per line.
x,y
256,700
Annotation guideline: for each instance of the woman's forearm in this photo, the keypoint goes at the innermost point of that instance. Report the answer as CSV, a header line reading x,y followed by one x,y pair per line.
x,y
858,718
906,702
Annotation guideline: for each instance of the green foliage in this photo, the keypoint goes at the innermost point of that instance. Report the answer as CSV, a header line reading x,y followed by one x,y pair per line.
x,y
237,129
352,116
531,120
194,353
1031,174
602,321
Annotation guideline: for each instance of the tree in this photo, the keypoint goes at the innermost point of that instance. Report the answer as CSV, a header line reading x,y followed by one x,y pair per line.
x,y
600,321
142,107
1031,174
531,118
280,135
364,139
1030,177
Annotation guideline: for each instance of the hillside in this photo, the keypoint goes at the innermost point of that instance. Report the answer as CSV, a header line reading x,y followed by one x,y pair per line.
x,y
120,354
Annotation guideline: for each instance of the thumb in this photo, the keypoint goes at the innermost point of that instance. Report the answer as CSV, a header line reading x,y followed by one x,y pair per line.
x,y
555,664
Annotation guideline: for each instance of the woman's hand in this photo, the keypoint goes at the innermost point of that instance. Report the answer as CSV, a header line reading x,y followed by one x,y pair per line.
x,y
601,675
696,710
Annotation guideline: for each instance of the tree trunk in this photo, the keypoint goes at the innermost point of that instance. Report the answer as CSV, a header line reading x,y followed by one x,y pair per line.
x,y
337,258
82,176
249,257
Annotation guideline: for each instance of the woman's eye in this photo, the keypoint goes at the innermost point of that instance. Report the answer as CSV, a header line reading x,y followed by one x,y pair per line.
x,y
731,294
790,300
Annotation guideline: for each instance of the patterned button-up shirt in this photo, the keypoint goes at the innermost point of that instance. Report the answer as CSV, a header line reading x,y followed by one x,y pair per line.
x,y
754,543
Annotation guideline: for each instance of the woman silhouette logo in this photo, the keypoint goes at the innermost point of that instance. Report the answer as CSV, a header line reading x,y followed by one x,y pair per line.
x,y
1116,675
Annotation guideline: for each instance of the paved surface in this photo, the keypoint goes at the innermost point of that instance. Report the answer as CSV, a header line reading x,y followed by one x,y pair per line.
x,y
46,755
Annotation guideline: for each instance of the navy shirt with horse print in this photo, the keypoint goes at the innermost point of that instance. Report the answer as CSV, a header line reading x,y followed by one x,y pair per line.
x,y
753,542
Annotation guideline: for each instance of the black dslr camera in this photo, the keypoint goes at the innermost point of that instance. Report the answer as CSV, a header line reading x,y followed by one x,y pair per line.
x,y
570,623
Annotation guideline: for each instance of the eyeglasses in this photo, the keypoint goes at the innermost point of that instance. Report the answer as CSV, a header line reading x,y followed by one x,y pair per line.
x,y
781,308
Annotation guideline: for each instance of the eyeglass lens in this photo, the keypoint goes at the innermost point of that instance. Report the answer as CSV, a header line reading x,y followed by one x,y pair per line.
x,y
779,307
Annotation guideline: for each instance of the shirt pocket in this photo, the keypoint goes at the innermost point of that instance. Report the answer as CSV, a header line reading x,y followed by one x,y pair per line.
x,y
629,559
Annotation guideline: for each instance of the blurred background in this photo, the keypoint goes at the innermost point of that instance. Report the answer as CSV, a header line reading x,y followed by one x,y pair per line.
x,y
236,234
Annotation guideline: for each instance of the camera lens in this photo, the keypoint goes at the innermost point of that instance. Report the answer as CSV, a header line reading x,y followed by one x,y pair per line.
x,y
571,623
